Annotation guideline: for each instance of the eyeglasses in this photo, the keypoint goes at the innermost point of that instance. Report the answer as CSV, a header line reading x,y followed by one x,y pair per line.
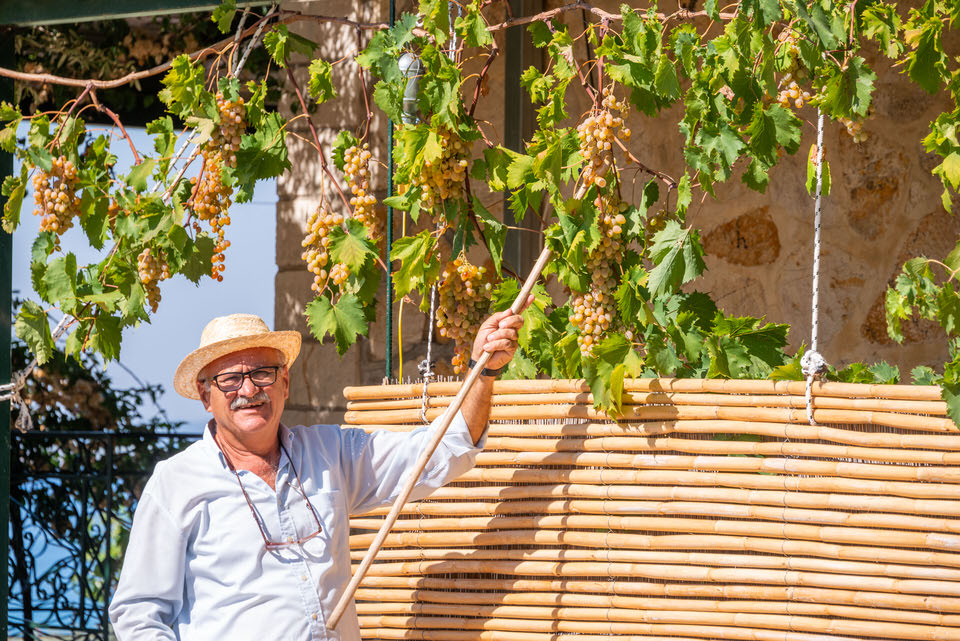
x,y
260,377
275,545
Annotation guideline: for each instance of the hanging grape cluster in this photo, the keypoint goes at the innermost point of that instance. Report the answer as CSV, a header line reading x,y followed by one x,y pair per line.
x,y
791,92
316,248
55,197
443,179
357,172
598,133
211,197
463,304
152,269
854,129
790,43
594,310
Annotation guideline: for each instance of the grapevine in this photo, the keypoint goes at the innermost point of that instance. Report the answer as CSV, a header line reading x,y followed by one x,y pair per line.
x,y
597,134
594,310
316,246
791,92
152,270
443,179
211,197
357,172
55,197
463,303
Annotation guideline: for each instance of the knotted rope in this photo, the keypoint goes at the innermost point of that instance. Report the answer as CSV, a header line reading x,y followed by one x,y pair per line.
x,y
812,363
426,365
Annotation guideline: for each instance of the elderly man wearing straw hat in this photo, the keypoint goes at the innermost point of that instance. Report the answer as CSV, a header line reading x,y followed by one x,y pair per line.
x,y
244,535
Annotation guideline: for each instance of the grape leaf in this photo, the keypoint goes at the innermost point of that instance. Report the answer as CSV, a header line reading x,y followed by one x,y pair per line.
x,y
494,232
884,373
13,189
678,258
419,264
183,86
923,375
33,328
281,42
321,84
351,247
848,91
948,308
344,321
926,62
772,128
262,154
137,178
106,336
473,29
223,15
812,174
60,281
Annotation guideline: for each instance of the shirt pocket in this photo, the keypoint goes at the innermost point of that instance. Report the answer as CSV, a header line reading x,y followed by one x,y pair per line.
x,y
327,506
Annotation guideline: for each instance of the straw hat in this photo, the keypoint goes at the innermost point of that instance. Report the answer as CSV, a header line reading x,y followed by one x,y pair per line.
x,y
225,335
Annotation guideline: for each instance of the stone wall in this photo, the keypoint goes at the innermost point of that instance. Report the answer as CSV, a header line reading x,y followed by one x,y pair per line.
x,y
884,208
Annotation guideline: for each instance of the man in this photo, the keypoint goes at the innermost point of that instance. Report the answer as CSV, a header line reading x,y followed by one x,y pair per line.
x,y
244,535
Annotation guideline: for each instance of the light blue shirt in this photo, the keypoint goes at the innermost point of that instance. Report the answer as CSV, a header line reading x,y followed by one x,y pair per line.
x,y
196,568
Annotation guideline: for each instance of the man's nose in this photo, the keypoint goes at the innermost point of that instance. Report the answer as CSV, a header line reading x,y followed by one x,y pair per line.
x,y
247,388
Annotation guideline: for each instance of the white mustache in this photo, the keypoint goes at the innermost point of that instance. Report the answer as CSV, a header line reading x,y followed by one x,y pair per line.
x,y
241,402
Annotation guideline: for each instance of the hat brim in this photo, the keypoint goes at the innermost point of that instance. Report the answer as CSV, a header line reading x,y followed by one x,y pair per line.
x,y
185,378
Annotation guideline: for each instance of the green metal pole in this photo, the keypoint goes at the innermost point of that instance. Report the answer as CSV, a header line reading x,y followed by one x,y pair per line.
x,y
389,330
6,310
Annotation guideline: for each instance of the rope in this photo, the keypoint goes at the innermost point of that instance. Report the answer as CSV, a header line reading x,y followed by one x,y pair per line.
x,y
813,364
11,391
426,365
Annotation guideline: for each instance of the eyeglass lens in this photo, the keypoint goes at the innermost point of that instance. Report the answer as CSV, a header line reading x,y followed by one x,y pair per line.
x,y
232,381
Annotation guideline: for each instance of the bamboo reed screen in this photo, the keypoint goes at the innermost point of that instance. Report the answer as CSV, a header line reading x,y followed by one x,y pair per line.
x,y
712,510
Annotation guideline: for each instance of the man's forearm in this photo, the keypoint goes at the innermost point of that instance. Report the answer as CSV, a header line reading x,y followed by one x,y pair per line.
x,y
476,406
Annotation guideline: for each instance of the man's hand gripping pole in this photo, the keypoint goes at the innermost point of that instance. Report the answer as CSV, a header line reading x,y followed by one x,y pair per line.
x,y
452,410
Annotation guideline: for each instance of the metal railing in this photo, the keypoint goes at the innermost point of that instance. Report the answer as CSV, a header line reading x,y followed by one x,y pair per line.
x,y
72,496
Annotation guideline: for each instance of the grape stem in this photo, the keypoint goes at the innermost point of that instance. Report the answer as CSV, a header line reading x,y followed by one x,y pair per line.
x,y
323,160
76,102
116,120
363,87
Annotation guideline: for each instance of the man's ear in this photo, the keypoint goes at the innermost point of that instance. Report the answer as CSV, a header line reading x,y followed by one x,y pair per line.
x,y
286,382
204,391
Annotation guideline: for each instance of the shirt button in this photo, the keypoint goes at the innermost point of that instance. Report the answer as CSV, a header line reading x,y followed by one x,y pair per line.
x,y
314,616
303,577
289,539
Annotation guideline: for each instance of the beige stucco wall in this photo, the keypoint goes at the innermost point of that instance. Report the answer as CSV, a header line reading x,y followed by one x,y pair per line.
x,y
884,208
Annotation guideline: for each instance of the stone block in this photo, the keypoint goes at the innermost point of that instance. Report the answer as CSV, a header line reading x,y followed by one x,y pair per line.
x,y
345,111
292,215
292,295
750,239
318,377
306,176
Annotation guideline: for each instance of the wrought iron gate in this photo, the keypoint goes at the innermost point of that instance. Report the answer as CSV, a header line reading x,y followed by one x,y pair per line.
x,y
72,496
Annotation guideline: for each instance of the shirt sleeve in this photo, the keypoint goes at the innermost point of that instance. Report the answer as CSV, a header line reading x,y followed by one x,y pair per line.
x,y
149,593
377,465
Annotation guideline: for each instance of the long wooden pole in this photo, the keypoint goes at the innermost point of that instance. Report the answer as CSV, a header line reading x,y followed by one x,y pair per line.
x,y
445,421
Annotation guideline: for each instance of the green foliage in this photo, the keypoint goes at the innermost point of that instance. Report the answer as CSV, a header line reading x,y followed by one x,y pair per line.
x,y
321,86
721,86
223,15
280,42
343,320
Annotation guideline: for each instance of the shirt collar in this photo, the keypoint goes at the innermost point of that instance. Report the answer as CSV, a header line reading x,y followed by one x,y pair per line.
x,y
285,435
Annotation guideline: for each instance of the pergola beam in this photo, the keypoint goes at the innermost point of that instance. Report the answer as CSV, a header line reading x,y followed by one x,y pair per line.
x,y
49,12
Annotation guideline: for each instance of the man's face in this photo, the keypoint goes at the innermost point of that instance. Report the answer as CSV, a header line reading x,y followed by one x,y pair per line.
x,y
250,409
